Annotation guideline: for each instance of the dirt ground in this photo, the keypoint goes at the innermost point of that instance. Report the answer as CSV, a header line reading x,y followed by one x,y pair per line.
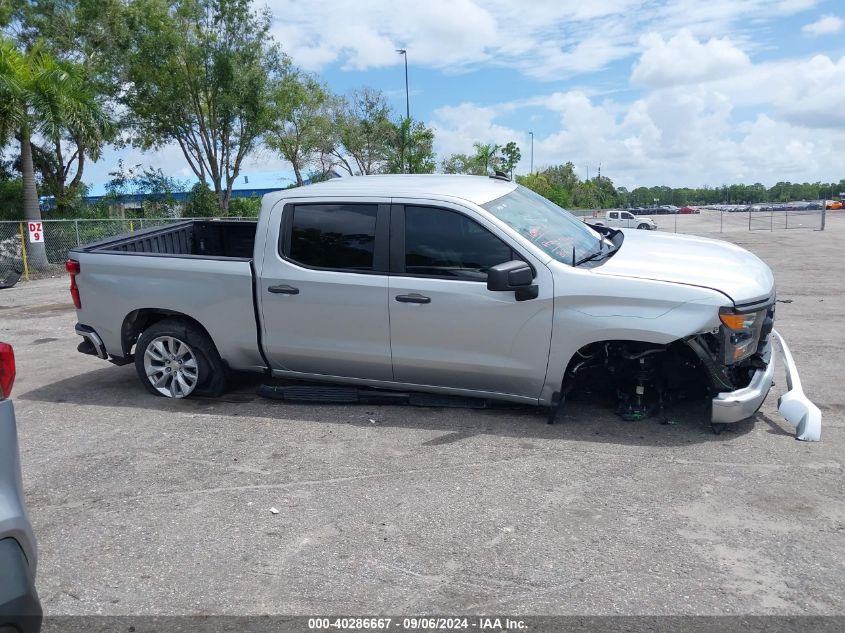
x,y
144,505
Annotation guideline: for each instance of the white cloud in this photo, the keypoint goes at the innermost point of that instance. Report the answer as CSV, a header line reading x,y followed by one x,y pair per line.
x,y
763,123
456,128
826,25
544,39
684,60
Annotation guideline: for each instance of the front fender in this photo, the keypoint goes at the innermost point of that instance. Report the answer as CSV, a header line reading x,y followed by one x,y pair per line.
x,y
603,308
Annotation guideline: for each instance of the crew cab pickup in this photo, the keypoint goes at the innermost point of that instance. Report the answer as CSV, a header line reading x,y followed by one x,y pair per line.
x,y
458,285
625,220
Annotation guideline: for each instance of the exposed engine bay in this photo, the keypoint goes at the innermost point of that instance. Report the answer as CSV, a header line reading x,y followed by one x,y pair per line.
x,y
645,378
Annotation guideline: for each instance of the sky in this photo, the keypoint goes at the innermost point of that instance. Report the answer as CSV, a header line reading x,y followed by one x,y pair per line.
x,y
674,92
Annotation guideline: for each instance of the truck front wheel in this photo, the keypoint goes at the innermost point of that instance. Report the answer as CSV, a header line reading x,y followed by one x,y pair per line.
x,y
175,359
644,226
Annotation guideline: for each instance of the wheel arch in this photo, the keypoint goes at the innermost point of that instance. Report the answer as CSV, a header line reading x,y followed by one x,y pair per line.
x,y
636,349
140,319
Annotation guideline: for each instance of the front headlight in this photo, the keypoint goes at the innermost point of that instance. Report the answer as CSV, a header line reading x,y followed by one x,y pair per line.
x,y
740,334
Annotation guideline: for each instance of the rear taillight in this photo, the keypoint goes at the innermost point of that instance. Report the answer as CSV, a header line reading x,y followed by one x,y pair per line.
x,y
7,370
72,266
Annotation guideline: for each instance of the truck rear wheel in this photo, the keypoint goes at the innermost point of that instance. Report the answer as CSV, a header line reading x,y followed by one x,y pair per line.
x,y
176,359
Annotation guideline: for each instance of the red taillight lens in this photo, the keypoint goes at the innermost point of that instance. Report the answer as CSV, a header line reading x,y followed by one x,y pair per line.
x,y
72,266
7,369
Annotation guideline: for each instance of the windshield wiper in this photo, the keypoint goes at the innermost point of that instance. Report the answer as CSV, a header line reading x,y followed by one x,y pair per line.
x,y
599,254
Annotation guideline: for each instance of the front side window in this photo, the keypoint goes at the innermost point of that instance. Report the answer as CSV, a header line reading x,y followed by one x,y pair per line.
x,y
627,216
336,236
557,232
441,243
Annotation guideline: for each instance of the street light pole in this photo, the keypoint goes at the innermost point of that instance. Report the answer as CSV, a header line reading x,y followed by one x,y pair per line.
x,y
404,53
532,152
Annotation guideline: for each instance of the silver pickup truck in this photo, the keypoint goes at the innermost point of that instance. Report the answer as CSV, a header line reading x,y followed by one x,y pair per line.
x,y
458,285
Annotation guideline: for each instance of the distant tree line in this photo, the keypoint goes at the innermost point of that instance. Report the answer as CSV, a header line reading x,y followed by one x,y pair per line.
x,y
732,194
561,185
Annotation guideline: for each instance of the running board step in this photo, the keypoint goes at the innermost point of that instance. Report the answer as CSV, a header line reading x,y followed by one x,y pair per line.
x,y
354,395
435,400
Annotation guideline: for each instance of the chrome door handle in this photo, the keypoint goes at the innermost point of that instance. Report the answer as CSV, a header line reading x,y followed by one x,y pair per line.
x,y
283,289
413,298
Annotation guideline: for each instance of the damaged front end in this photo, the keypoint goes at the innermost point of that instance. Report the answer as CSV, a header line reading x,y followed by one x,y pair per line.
x,y
732,365
740,363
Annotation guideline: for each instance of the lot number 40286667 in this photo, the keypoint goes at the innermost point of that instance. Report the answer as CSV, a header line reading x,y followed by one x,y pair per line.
x,y
36,232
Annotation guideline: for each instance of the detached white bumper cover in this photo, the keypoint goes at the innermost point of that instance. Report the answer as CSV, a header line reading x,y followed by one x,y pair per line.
x,y
734,406
794,405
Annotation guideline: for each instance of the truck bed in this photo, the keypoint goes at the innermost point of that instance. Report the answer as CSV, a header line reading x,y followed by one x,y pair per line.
x,y
231,239
202,269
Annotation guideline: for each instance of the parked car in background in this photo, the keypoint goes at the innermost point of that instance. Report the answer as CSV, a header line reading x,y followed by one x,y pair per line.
x,y
833,205
688,210
625,220
20,609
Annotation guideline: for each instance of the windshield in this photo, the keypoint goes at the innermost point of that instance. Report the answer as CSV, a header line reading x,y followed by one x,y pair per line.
x,y
548,226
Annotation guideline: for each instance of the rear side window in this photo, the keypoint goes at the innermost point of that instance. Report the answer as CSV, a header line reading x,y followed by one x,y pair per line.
x,y
441,243
338,236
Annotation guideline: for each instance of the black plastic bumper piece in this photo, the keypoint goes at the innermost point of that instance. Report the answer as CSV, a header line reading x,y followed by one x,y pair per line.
x,y
20,609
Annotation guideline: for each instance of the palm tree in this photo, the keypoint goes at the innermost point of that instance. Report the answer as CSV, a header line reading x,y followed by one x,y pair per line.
x,y
41,96
486,157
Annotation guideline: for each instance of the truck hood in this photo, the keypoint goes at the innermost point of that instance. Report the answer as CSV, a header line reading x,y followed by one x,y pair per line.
x,y
694,261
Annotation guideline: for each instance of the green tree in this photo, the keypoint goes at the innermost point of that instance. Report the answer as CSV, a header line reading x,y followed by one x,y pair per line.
x,y
84,32
301,122
11,198
562,176
153,184
363,132
245,207
202,74
461,164
41,96
486,156
202,202
411,150
510,157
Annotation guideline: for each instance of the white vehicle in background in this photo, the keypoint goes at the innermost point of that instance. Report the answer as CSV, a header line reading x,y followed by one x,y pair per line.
x,y
625,220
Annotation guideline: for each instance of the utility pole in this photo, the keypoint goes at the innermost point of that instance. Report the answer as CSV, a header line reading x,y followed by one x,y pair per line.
x,y
404,54
532,152
407,168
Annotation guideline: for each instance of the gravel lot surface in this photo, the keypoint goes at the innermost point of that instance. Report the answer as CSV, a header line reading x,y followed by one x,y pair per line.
x,y
144,505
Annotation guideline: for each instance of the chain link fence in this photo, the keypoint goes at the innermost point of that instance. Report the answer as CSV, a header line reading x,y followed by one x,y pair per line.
x,y
20,258
712,220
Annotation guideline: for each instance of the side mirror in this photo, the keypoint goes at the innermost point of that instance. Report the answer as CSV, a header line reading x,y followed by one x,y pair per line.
x,y
515,276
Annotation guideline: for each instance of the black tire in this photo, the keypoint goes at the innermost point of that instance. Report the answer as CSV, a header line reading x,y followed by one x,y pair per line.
x,y
210,369
643,226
